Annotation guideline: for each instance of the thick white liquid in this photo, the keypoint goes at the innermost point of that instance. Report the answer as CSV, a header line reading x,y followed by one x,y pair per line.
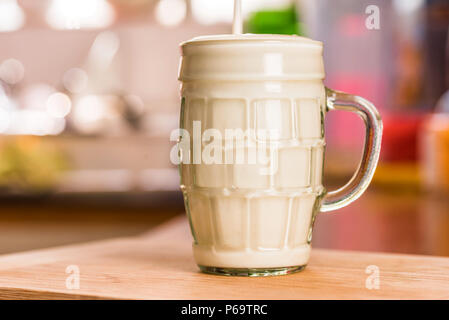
x,y
240,218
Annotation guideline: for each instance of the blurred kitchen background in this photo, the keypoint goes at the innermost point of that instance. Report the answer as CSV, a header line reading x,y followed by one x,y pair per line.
x,y
89,95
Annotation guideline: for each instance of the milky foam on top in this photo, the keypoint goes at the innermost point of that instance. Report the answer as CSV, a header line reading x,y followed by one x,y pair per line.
x,y
249,37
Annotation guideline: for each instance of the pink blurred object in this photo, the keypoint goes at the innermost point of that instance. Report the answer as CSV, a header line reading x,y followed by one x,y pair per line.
x,y
347,132
353,25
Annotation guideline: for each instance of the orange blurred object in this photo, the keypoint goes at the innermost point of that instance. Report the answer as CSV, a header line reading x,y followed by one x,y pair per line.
x,y
434,152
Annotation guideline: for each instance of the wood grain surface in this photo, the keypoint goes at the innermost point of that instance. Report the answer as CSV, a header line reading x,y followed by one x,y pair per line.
x,y
159,265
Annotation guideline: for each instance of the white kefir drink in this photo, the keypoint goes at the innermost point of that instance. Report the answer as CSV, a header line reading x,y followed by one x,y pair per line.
x,y
243,214
251,150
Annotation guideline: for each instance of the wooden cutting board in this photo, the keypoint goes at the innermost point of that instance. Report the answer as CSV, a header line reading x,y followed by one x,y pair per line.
x,y
159,265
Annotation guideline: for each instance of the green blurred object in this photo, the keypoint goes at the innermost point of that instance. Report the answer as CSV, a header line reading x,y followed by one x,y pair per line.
x,y
282,21
28,164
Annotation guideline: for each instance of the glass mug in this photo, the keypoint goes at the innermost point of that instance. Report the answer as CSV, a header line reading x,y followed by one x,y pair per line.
x,y
251,212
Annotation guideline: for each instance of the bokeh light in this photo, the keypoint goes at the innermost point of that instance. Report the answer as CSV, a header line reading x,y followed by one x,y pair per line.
x,y
12,16
5,118
103,50
58,105
11,71
80,14
30,122
210,12
171,12
407,6
89,112
35,96
75,80
58,126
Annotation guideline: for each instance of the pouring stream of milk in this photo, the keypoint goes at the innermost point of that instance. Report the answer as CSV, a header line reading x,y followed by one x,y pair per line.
x,y
237,25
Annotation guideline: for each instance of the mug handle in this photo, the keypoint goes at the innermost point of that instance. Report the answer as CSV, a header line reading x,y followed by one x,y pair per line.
x,y
350,192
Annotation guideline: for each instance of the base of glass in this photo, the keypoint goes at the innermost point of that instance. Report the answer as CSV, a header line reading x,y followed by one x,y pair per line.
x,y
253,272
